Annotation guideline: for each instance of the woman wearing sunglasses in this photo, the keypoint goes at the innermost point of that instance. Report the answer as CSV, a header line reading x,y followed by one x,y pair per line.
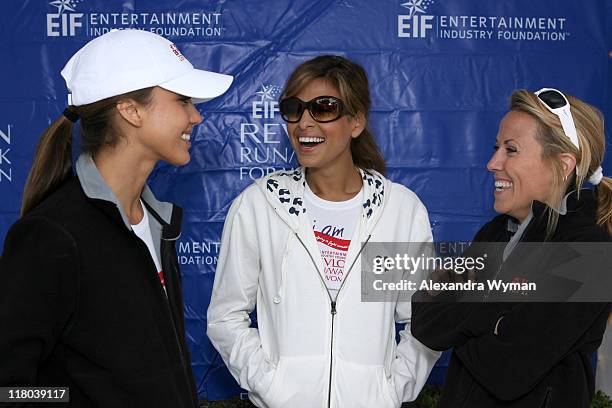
x,y
513,352
291,247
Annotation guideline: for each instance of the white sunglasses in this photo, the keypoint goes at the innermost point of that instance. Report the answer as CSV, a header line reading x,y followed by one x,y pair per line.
x,y
557,103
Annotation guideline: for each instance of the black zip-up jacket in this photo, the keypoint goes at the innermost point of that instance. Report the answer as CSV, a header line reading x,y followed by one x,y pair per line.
x,y
541,355
81,306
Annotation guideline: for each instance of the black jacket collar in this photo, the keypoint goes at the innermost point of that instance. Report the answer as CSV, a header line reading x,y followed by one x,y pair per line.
x,y
579,223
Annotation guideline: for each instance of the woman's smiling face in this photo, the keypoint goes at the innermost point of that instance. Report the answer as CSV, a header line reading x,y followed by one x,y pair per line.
x,y
321,145
521,175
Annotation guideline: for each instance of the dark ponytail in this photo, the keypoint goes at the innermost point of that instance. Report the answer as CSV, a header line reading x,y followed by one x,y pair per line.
x,y
52,162
53,157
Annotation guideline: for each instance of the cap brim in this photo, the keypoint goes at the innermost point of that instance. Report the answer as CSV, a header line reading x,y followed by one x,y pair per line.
x,y
200,85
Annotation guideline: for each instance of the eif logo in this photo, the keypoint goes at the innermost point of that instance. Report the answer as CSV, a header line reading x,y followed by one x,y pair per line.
x,y
6,172
63,23
264,107
267,103
417,23
261,137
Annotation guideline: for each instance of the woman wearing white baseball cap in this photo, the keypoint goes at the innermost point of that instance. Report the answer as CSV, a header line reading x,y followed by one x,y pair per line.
x,y
90,295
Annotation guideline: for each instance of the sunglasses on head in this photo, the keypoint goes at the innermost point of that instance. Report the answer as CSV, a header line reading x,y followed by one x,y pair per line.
x,y
558,104
322,109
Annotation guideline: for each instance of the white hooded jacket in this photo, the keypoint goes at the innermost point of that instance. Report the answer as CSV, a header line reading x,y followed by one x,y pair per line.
x,y
307,350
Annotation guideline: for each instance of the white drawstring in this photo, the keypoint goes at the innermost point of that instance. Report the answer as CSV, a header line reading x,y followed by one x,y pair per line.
x,y
596,177
279,292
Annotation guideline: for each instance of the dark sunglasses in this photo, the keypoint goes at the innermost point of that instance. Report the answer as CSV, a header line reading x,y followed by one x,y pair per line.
x,y
322,109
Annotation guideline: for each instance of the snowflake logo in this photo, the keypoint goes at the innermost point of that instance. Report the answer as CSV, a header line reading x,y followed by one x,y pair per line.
x,y
417,6
269,92
63,5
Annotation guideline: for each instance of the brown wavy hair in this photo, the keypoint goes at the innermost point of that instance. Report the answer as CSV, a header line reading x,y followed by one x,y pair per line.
x,y
351,81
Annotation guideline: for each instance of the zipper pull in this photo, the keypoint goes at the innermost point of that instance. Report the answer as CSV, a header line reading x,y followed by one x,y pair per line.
x,y
333,307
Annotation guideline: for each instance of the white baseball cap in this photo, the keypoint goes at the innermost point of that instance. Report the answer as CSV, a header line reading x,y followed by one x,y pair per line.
x,y
122,61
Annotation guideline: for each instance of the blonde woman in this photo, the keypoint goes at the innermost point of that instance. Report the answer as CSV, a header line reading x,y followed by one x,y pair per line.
x,y
531,354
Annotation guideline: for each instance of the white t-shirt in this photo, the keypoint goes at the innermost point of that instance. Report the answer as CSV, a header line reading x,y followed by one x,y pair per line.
x,y
333,223
143,231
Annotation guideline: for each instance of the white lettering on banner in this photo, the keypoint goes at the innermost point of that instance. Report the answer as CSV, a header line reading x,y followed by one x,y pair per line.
x,y
198,253
199,247
197,260
65,22
415,26
498,22
250,155
167,31
254,173
252,130
144,19
3,158
187,32
6,136
64,25
269,109
256,136
6,171
531,36
244,131
467,34
418,24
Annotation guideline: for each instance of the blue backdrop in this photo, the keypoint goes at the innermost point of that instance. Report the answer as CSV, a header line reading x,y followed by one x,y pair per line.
x,y
441,73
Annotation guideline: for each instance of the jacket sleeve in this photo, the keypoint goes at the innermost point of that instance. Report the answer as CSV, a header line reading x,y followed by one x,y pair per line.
x,y
38,291
413,361
441,324
233,298
531,339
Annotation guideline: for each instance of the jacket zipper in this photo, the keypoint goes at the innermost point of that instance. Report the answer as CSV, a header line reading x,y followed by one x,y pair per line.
x,y
178,343
164,225
331,352
353,264
486,296
176,338
333,307
501,261
547,397
172,321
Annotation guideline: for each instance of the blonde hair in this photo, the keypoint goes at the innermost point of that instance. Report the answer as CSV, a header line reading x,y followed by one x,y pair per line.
x,y
591,136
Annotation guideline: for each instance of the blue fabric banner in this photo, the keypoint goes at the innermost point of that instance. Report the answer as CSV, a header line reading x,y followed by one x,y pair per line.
x,y
441,73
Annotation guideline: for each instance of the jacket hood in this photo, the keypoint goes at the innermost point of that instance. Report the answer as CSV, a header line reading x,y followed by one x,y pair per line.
x,y
284,191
